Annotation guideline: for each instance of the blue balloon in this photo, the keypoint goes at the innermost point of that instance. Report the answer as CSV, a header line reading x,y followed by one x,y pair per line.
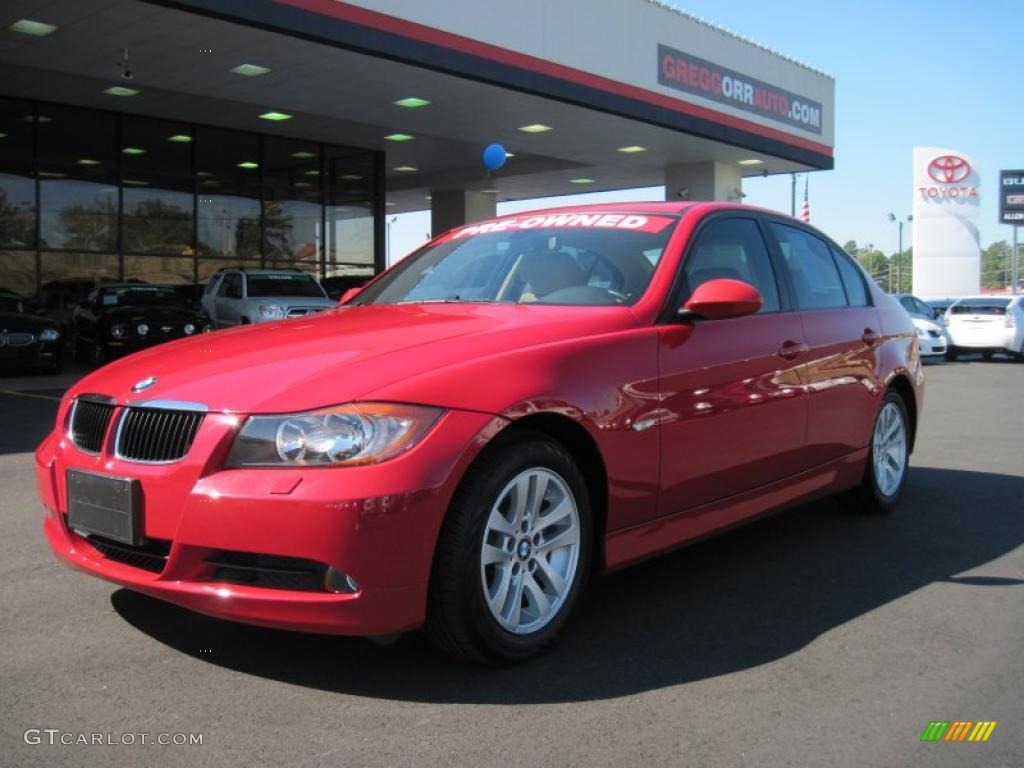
x,y
494,156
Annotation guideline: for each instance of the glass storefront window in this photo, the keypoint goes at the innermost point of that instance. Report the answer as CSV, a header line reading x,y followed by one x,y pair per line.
x,y
18,272
156,173
78,193
228,186
349,210
291,201
17,177
79,266
89,196
161,270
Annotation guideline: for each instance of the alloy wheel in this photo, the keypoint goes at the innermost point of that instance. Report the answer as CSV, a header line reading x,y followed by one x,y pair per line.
x,y
530,551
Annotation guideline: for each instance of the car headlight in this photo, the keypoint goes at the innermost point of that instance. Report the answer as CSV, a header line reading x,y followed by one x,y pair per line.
x,y
49,334
189,329
271,312
143,329
344,435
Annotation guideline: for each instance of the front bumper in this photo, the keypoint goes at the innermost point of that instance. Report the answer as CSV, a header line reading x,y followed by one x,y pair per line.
x,y
36,355
929,345
377,523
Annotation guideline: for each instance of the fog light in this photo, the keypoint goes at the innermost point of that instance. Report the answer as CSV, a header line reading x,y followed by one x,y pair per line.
x,y
189,329
338,582
143,329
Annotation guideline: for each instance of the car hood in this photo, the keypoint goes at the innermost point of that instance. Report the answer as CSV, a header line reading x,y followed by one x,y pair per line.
x,y
17,322
340,355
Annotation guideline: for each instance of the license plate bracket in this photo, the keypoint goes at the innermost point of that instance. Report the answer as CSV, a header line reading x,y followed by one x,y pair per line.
x,y
106,506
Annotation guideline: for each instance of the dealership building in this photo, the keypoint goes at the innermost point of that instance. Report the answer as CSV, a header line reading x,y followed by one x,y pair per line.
x,y
160,140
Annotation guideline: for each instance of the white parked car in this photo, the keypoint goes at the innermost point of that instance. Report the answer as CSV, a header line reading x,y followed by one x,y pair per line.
x,y
236,296
986,324
931,336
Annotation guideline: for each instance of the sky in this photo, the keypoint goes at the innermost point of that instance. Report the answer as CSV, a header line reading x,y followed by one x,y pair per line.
x,y
908,73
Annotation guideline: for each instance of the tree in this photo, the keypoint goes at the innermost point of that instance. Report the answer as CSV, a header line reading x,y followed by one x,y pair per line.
x,y
156,226
17,223
997,265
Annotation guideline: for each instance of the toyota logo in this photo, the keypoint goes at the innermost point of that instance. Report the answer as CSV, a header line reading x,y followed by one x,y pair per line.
x,y
949,169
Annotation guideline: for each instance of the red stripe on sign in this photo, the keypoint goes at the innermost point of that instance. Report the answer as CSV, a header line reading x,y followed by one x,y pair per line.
x,y
425,34
1015,199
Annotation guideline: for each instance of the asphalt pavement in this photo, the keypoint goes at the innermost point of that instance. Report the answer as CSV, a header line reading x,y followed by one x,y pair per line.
x,y
817,637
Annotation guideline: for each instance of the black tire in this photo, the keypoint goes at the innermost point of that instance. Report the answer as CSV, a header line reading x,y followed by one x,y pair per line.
x,y
244,321
987,355
54,367
459,621
868,496
951,353
76,349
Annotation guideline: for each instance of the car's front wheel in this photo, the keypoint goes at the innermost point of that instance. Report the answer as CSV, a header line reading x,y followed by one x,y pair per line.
x,y
513,554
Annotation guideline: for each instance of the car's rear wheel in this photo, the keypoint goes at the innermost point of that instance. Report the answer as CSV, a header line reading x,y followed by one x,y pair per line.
x,y
888,457
951,353
987,354
513,554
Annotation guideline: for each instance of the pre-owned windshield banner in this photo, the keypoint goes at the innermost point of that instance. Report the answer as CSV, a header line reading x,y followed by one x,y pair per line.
x,y
691,74
633,222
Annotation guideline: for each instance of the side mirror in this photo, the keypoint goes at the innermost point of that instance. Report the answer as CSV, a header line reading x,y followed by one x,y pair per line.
x,y
722,299
350,294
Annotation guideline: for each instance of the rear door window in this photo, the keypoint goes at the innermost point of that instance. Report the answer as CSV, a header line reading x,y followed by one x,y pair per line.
x,y
811,268
853,280
733,249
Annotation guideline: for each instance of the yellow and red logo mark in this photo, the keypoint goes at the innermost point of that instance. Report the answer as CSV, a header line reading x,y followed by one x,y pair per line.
x,y
958,730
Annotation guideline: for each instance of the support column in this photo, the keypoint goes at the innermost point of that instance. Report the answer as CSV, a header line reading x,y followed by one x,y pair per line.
x,y
455,207
722,182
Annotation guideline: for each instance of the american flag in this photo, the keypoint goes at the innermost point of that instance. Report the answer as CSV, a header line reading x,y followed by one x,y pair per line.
x,y
805,209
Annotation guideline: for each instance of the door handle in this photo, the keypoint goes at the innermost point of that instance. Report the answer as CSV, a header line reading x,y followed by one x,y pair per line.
x,y
870,337
791,350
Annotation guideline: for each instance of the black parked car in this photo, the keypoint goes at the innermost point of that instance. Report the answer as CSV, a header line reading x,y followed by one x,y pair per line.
x,y
117,319
27,341
336,286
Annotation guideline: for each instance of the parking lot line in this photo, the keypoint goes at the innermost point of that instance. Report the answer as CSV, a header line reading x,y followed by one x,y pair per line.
x,y
28,394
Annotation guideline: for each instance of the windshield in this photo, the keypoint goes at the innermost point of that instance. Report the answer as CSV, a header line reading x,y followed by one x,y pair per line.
x,y
138,295
980,307
274,285
565,259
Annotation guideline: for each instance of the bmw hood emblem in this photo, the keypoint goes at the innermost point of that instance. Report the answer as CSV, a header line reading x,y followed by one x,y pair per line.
x,y
145,384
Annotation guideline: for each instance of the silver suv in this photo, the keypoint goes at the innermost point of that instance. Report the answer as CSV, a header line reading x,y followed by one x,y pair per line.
x,y
236,296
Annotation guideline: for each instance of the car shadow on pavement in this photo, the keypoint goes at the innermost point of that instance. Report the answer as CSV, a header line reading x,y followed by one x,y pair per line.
x,y
743,599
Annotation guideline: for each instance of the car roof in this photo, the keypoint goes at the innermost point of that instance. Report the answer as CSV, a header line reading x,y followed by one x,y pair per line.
x,y
652,207
983,296
258,271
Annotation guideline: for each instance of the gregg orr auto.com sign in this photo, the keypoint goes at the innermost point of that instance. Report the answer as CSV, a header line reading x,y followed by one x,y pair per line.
x,y
698,76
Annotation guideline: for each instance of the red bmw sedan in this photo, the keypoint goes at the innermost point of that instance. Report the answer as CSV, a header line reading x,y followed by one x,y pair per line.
x,y
520,404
